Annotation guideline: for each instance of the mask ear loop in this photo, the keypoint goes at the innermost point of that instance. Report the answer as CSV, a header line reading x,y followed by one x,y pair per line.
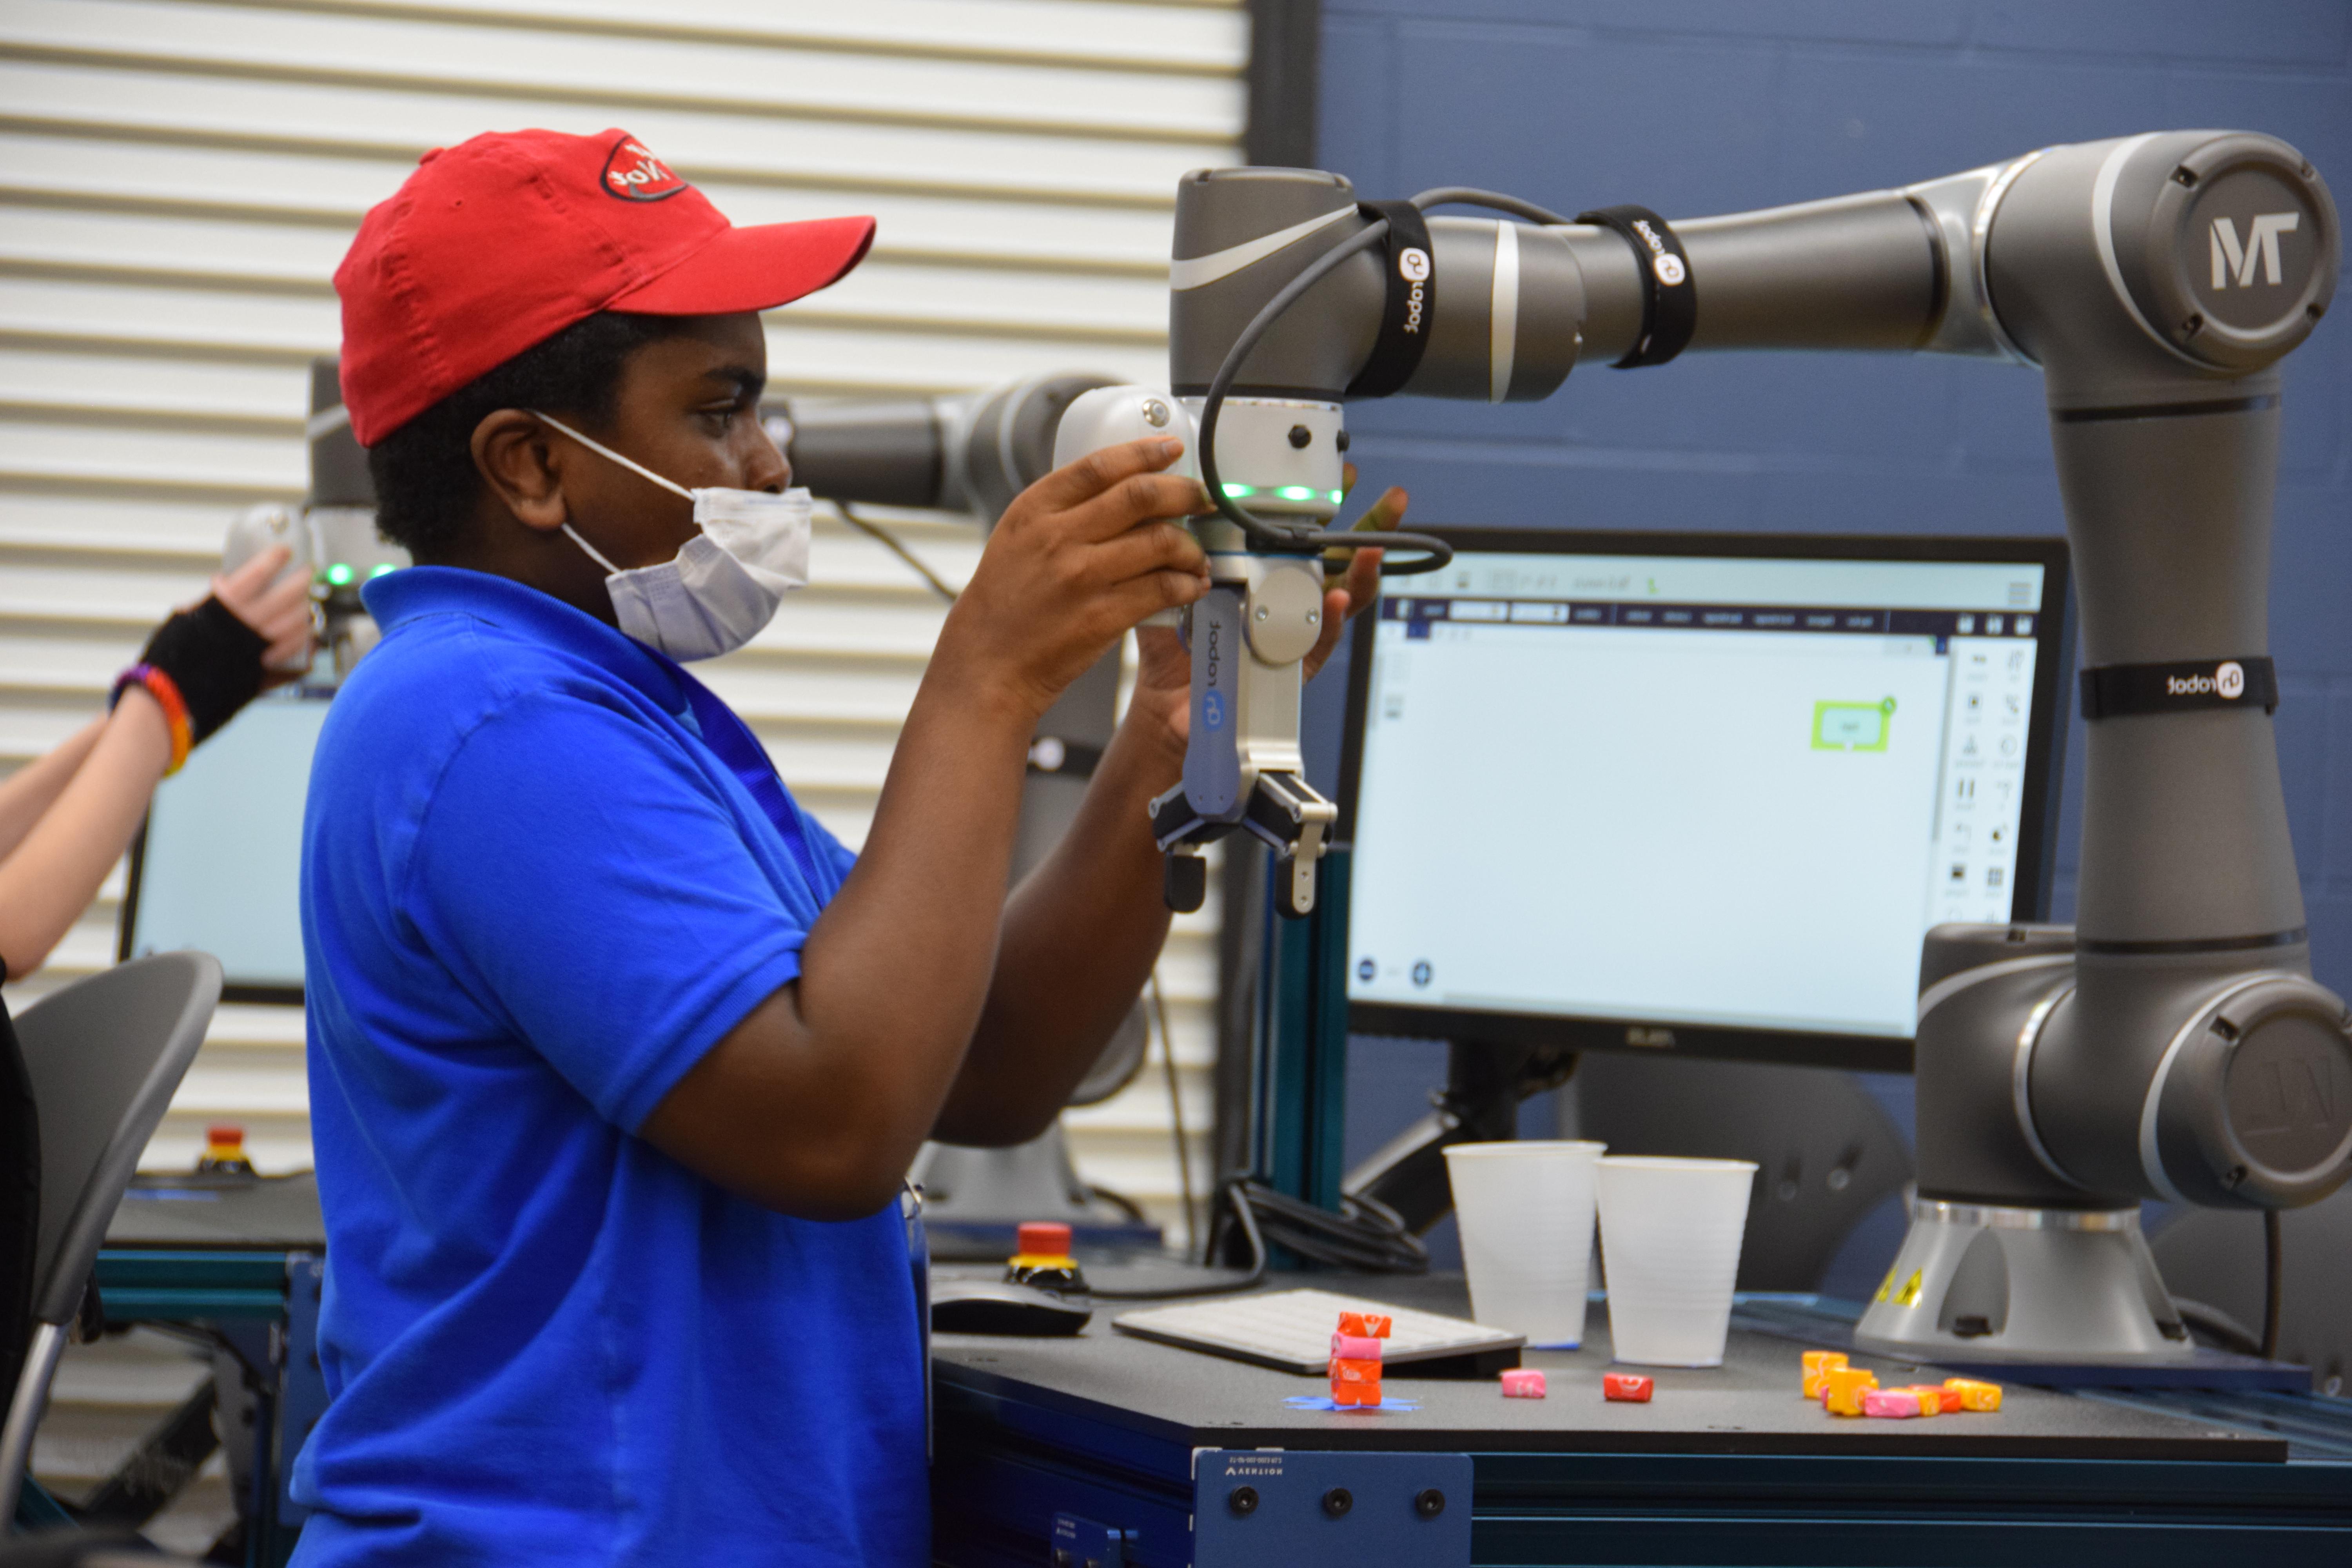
x,y
602,450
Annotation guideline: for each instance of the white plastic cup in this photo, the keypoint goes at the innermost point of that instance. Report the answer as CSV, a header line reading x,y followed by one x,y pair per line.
x,y
1670,1232
1526,1213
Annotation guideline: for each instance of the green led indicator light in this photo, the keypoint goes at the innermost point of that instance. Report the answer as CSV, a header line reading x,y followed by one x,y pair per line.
x,y
1240,492
1296,492
381,568
338,574
1336,497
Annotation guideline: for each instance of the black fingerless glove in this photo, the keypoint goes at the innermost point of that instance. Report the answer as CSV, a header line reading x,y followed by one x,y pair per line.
x,y
213,658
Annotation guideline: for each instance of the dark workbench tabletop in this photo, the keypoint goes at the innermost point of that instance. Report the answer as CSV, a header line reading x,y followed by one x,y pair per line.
x,y
274,1214
1748,1405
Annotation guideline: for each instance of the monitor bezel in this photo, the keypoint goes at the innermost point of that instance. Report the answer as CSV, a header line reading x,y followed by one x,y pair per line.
x,y
2037,829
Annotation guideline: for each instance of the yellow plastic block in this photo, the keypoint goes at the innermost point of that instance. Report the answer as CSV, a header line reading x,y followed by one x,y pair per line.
x,y
1930,1396
1843,1388
1975,1395
1818,1363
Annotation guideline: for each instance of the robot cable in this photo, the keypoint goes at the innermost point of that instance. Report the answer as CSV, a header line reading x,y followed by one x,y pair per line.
x,y
889,541
1259,531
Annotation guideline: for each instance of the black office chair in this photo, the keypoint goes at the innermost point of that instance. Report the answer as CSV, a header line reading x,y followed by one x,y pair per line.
x,y
105,1056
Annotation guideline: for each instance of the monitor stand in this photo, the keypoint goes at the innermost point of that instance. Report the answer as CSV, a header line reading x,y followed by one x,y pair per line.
x,y
1485,1083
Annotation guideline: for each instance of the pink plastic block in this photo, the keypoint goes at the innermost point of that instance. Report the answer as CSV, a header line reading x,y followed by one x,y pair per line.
x,y
1891,1403
1523,1382
1355,1347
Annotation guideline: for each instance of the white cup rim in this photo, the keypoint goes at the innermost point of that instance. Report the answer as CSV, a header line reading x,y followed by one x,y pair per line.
x,y
1522,1146
1674,1163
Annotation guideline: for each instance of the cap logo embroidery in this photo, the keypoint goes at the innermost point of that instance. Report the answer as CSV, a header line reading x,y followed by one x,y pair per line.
x,y
634,174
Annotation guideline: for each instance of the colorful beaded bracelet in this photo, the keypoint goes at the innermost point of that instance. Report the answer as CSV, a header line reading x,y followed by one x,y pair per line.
x,y
166,693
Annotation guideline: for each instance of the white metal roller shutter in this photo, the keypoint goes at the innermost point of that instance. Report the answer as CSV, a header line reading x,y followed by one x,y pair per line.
x,y
179,178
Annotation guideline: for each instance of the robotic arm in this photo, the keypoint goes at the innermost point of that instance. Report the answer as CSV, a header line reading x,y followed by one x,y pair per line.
x,y
2174,1045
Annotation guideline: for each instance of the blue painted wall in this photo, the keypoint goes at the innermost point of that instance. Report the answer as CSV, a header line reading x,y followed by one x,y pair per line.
x,y
1696,106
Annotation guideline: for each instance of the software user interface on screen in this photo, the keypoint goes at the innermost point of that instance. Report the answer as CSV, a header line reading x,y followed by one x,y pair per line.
x,y
219,869
1708,791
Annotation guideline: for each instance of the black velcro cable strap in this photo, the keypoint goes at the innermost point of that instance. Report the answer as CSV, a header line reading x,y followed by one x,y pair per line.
x,y
1669,298
2121,690
1412,270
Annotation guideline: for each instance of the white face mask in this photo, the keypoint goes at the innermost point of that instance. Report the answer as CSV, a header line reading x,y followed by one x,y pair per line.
x,y
723,585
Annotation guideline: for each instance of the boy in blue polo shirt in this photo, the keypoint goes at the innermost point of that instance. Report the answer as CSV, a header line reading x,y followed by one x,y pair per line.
x,y
617,1056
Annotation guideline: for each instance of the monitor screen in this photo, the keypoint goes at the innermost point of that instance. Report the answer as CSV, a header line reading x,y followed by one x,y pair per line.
x,y
1695,792
218,866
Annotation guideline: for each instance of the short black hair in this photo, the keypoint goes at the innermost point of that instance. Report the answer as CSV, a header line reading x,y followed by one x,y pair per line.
x,y
426,481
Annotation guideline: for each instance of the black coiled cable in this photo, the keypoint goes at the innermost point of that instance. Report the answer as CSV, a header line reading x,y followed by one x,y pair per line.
x,y
1365,1238
1272,535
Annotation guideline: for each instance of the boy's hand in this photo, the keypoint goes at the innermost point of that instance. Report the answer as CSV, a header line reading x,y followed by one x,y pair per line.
x,y
277,607
1164,674
1077,560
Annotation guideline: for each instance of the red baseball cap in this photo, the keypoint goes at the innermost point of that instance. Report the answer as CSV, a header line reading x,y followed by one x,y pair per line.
x,y
495,244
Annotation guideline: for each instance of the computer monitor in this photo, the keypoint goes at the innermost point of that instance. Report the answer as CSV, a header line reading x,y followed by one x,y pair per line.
x,y
218,865
1695,792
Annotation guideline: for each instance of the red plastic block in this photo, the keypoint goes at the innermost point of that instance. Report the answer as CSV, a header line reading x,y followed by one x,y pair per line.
x,y
1523,1382
1630,1387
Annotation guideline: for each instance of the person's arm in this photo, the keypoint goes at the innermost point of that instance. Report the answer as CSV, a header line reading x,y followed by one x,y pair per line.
x,y
1084,929
816,1103
55,873
32,789
88,796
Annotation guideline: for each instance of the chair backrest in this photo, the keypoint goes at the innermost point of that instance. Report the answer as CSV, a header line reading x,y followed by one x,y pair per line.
x,y
105,1055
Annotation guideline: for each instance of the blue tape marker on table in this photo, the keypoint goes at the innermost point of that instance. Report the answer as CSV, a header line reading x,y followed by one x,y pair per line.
x,y
1324,1402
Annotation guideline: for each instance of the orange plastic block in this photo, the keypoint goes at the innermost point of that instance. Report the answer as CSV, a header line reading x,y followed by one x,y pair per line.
x,y
1347,1369
1626,1387
1355,1393
1817,1363
1843,1388
1365,1325
1974,1396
